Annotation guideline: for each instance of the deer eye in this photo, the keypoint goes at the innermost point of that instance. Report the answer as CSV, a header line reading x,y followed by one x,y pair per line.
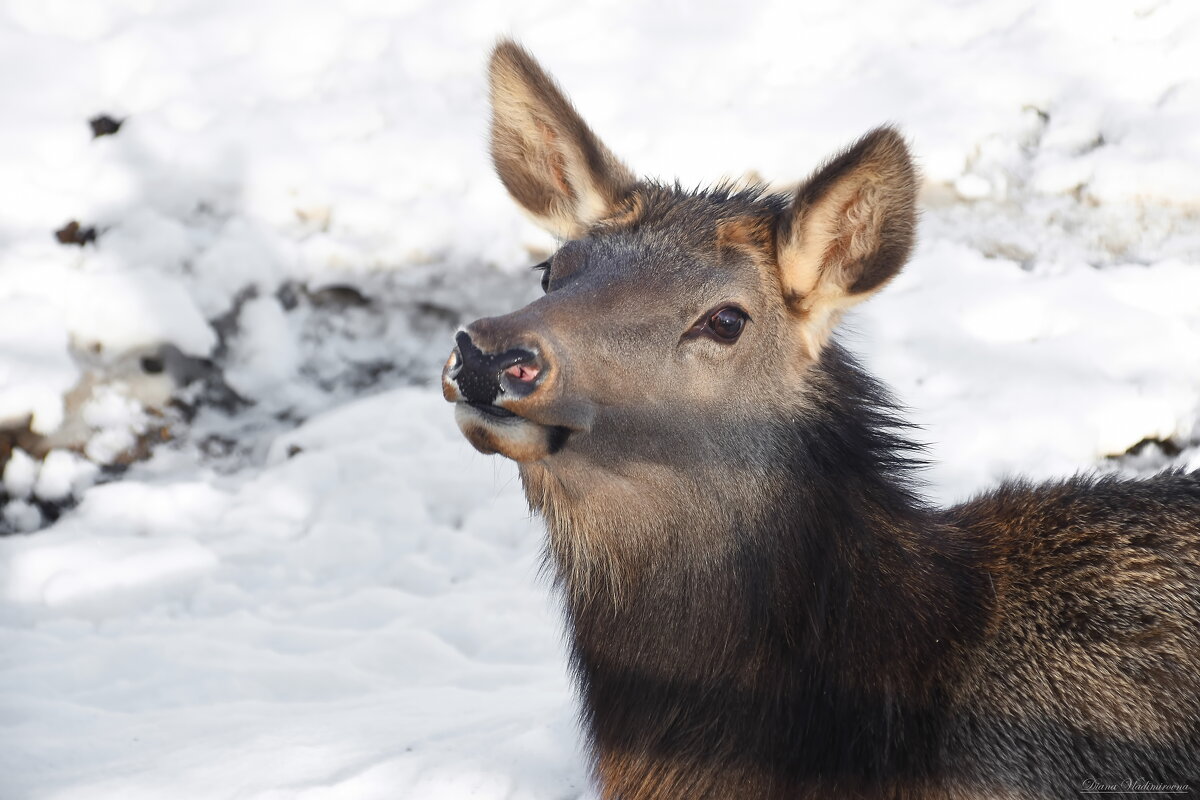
x,y
544,268
726,323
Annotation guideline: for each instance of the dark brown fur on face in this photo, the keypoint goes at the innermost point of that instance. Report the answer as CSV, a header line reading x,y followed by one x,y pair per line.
x,y
760,604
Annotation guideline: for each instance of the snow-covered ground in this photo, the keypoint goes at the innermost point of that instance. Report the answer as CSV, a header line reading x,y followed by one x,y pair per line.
x,y
313,587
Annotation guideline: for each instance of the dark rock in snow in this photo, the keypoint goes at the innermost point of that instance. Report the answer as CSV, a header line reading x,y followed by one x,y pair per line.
x,y
74,233
104,125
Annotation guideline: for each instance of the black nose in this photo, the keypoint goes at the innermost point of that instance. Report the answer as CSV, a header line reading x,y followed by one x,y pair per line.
x,y
479,374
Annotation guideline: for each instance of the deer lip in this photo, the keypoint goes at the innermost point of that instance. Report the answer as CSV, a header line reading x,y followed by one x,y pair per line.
x,y
491,410
508,434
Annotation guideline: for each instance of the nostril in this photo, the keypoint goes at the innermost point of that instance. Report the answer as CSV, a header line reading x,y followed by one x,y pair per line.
x,y
519,371
525,373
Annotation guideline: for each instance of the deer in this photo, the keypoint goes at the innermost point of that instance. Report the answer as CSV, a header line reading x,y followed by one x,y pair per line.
x,y
758,600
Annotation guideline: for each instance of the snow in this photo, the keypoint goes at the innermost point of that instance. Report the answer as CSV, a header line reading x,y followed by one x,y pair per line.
x,y
35,367
20,473
313,587
360,618
63,474
1037,373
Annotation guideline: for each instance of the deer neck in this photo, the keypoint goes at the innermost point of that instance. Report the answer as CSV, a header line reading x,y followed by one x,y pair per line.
x,y
820,592
816,526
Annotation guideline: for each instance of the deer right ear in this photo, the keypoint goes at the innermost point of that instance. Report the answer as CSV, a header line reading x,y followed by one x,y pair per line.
x,y
547,157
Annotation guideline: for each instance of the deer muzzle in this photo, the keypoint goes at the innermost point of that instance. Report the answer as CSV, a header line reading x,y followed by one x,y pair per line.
x,y
509,400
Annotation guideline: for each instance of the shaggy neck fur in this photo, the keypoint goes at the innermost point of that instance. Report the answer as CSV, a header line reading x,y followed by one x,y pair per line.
x,y
760,635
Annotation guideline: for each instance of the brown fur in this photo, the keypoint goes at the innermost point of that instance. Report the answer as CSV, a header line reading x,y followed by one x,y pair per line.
x,y
760,604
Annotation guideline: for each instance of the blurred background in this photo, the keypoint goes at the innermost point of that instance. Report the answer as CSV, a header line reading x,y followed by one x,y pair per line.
x,y
244,551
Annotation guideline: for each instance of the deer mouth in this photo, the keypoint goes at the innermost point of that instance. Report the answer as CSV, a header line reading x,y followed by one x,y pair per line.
x,y
494,430
492,410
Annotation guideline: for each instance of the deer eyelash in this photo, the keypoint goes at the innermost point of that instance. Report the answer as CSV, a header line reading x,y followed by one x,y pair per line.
x,y
544,268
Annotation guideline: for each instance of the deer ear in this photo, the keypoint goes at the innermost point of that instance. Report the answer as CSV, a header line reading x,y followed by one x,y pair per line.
x,y
547,157
847,232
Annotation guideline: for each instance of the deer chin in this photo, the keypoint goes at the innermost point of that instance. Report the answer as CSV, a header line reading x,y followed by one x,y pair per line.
x,y
507,434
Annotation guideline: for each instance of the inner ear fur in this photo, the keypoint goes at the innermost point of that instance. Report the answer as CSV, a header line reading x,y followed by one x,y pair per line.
x,y
545,154
848,231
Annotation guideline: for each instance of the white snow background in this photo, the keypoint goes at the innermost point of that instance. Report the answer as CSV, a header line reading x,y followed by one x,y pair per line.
x,y
313,588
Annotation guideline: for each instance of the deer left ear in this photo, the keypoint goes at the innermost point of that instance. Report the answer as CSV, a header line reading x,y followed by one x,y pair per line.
x,y
847,232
